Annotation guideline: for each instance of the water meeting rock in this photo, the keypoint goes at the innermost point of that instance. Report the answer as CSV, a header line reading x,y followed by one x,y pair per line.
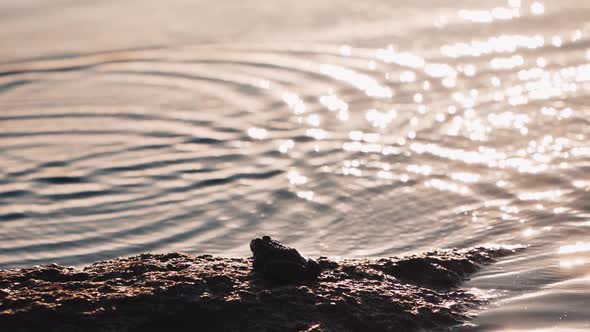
x,y
180,292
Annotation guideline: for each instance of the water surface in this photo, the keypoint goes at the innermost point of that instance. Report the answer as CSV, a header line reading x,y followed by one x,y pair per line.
x,y
342,129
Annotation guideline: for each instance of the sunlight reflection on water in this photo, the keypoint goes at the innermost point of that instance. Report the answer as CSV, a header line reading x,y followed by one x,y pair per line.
x,y
361,139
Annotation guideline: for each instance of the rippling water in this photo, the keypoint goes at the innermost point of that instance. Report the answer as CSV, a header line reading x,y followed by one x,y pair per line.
x,y
343,129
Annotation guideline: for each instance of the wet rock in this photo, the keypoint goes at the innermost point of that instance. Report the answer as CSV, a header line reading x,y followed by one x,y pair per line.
x,y
279,263
438,269
178,292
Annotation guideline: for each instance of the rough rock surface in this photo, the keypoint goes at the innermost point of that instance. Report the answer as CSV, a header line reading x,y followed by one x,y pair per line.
x,y
281,264
179,292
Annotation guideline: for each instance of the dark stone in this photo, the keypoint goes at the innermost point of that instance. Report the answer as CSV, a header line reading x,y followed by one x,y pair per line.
x,y
150,293
279,263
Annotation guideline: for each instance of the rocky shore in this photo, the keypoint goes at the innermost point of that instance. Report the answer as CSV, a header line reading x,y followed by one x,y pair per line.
x,y
180,292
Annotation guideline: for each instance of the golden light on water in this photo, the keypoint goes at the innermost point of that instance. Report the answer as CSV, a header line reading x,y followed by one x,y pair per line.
x,y
541,195
334,104
419,169
498,44
317,133
572,263
507,63
360,81
575,248
488,16
294,102
258,133
380,119
404,59
448,186
465,177
286,146
295,178
338,124
537,8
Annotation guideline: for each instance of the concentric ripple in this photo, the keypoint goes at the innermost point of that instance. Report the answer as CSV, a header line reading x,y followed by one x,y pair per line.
x,y
382,144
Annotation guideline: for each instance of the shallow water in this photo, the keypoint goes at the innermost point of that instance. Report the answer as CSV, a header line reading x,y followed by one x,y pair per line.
x,y
342,129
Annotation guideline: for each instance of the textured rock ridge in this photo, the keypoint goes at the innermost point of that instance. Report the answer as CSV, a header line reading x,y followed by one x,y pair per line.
x,y
179,292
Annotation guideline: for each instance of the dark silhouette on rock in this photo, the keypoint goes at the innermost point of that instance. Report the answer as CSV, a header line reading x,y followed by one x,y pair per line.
x,y
281,264
179,292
